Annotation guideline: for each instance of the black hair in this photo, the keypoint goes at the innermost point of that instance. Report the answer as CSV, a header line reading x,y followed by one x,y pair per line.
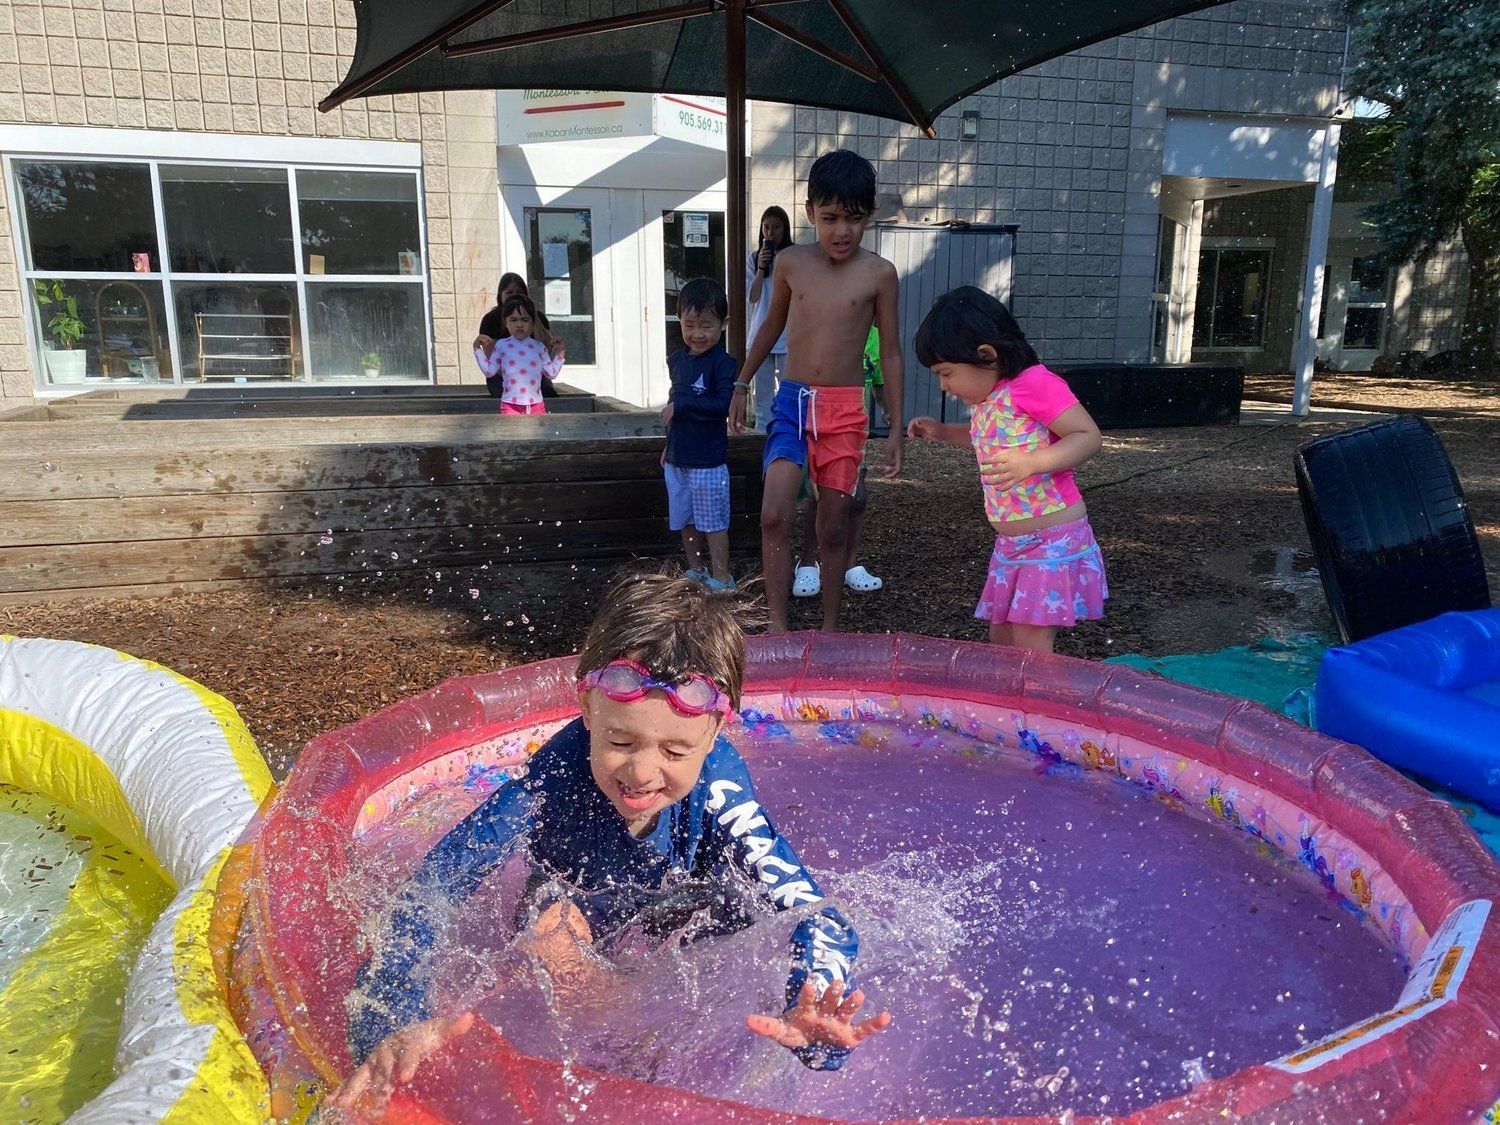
x,y
843,178
786,225
701,295
506,281
518,304
964,318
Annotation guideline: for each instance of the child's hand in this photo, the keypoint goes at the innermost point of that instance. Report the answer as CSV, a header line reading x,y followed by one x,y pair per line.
x,y
666,415
1009,468
483,344
925,428
827,1020
737,413
394,1061
559,348
895,451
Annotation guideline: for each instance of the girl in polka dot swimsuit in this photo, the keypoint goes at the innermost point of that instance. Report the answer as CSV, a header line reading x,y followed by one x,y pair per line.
x,y
519,361
1029,432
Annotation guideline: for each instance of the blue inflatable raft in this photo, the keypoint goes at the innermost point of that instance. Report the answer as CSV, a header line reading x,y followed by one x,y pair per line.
x,y
1425,697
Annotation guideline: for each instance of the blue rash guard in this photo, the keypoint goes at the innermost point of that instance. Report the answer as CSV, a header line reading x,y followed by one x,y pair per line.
x,y
715,849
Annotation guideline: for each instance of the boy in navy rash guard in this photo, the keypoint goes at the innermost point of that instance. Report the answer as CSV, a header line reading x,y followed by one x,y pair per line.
x,y
640,809
697,421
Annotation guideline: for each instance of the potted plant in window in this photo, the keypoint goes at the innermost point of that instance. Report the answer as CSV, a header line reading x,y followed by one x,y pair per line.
x,y
65,363
370,361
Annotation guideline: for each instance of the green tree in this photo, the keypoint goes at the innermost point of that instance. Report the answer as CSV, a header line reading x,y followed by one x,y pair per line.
x,y
1435,65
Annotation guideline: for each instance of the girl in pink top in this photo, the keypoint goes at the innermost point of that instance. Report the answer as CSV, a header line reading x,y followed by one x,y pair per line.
x,y
519,361
1029,433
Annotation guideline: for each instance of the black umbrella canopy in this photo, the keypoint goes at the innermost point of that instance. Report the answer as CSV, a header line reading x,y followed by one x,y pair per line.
x,y
902,59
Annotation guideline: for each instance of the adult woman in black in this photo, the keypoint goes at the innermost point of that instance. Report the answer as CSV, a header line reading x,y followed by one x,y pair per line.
x,y
492,326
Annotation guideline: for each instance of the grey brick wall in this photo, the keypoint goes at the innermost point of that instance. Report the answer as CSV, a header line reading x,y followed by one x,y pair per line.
x,y
1072,152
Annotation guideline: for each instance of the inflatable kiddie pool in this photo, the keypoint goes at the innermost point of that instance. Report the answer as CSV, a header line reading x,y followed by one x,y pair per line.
x,y
123,789
1079,889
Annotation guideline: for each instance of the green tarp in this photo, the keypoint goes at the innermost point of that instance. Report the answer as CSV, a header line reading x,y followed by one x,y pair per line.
x,y
1281,675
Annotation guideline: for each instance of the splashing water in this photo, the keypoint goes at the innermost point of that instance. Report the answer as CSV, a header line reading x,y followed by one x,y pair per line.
x,y
1047,939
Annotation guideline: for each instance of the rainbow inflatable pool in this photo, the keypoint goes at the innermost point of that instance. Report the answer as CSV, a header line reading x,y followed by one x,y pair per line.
x,y
1080,890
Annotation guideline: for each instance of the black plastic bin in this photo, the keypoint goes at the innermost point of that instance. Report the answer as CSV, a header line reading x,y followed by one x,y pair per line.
x,y
1141,395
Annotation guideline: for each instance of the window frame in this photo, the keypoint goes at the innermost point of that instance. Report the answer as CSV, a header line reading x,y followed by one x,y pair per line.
x,y
299,278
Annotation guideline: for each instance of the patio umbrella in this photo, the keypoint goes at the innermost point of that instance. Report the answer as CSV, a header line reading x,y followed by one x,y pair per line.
x,y
902,59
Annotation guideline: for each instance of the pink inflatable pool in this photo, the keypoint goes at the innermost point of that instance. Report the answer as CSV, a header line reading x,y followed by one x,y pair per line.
x,y
1079,889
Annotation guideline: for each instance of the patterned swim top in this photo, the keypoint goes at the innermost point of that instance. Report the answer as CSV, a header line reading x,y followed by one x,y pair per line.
x,y
1018,414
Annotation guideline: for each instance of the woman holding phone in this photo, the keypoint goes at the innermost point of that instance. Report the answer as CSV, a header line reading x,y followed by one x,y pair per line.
x,y
775,236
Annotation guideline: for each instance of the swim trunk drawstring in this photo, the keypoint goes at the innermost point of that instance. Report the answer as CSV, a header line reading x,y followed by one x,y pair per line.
x,y
807,405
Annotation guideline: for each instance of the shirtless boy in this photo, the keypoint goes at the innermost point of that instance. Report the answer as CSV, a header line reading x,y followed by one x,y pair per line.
x,y
826,296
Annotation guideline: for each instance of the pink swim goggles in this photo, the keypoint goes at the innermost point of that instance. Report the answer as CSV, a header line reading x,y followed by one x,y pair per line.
x,y
625,681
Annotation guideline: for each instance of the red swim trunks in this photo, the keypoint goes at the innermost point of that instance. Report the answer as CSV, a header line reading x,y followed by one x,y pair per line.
x,y
823,428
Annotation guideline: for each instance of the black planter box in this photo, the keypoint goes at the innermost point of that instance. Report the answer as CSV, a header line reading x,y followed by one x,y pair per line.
x,y
1123,396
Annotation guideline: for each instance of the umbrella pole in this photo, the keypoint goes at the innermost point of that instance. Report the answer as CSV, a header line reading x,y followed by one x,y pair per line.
x,y
736,203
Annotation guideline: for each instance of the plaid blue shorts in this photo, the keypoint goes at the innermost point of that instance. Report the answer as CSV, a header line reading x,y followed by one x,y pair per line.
x,y
697,496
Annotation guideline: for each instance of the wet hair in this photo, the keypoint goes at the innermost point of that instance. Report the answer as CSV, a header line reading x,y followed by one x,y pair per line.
x,y
506,281
518,304
843,178
964,318
703,294
786,225
672,625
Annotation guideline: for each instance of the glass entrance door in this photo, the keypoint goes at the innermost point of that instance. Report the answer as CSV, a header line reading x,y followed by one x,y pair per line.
x,y
560,240
685,238
693,245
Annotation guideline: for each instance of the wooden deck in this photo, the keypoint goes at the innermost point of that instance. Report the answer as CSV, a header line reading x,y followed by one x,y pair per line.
x,y
114,496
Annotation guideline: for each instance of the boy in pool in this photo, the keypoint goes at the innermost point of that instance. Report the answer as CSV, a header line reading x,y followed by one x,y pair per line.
x,y
639,802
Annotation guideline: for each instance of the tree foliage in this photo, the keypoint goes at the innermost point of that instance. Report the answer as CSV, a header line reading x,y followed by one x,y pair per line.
x,y
1435,64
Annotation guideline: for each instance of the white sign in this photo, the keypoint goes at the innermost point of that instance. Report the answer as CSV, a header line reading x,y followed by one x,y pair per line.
x,y
554,259
694,230
558,297
537,116
689,117
542,116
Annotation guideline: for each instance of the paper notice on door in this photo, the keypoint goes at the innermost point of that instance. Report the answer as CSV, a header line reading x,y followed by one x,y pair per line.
x,y
695,230
554,259
557,298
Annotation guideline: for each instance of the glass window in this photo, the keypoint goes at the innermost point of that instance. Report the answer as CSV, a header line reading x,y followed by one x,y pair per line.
x,y
1367,281
359,222
240,331
89,330
1363,326
102,304
227,220
89,217
1233,283
1364,313
367,330
692,246
1166,255
560,275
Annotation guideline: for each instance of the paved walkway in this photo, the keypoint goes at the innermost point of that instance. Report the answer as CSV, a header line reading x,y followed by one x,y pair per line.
x,y
1279,413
